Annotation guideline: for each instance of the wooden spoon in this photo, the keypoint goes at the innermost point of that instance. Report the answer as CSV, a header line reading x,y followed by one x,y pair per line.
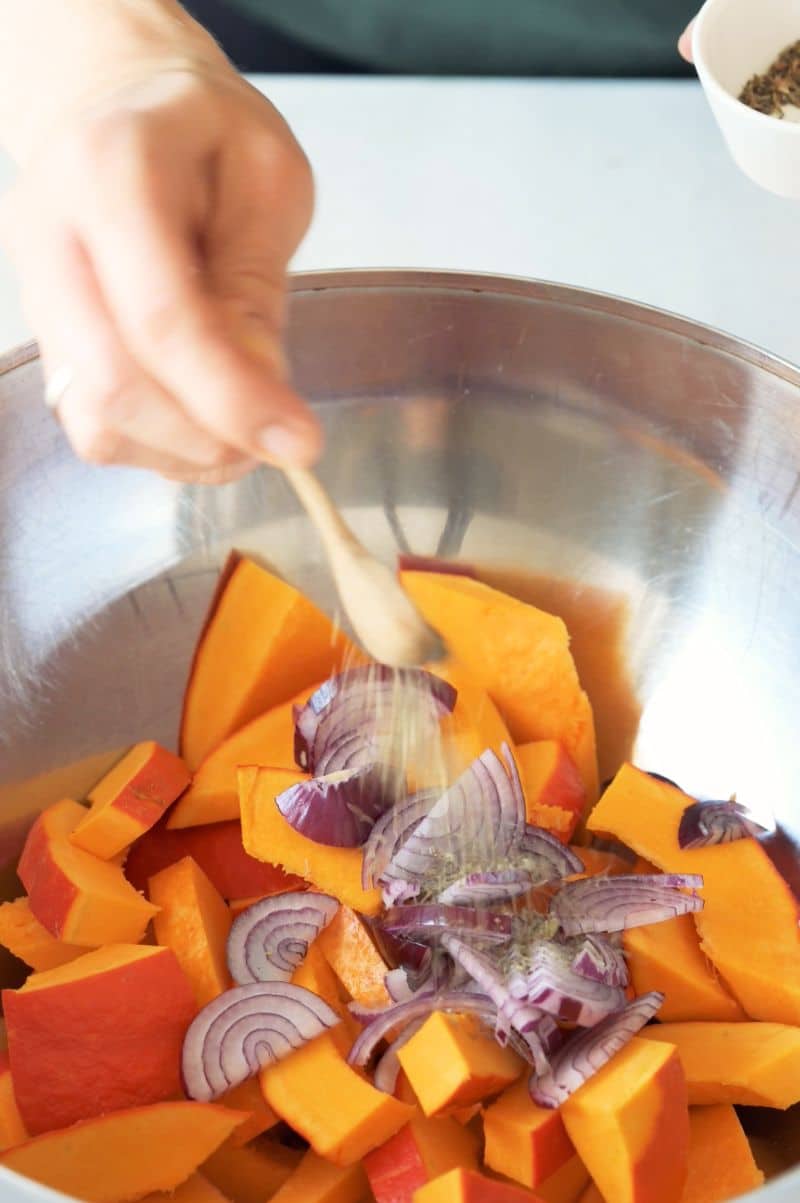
x,y
384,619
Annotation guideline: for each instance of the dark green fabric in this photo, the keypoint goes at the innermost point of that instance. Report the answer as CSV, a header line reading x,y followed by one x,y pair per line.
x,y
488,37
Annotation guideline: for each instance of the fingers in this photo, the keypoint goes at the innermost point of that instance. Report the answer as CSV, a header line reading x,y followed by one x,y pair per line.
x,y
685,43
145,243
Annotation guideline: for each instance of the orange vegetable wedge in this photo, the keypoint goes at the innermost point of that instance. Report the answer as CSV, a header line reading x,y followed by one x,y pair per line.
x,y
468,1186
421,1151
451,1062
598,862
519,655
302,1088
194,922
630,1125
250,1173
196,1189
755,1064
523,1141
12,1129
591,1195
76,897
24,936
247,1098
749,923
267,836
262,642
316,975
348,948
127,1154
668,957
102,1033
130,799
721,1164
566,1185
551,783
319,1181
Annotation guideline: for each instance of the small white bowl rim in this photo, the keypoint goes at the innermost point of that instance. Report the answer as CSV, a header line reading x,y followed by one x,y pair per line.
x,y
789,129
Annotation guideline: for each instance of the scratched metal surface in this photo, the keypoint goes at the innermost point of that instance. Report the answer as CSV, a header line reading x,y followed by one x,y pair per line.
x,y
503,421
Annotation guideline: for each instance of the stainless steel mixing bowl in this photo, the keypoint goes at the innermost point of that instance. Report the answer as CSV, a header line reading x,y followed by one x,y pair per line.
x,y
636,456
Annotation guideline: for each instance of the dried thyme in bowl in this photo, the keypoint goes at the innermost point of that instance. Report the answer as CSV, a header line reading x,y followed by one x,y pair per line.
x,y
778,88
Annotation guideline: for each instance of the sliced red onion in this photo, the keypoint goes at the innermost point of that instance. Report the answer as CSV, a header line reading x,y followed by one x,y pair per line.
x,y
482,814
600,961
346,723
400,1015
245,1029
706,823
608,904
269,940
387,1070
434,918
554,860
483,889
406,562
584,1053
339,809
391,831
554,986
397,985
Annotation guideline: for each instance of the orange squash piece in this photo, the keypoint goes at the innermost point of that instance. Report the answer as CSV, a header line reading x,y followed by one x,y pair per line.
x,y
24,936
551,783
319,1181
247,1098
754,1064
340,1114
127,1154
250,1173
630,1125
452,1062
591,1195
749,923
76,897
721,1164
12,1129
316,975
520,656
668,957
351,954
598,862
263,642
218,850
566,1185
194,922
523,1141
421,1151
267,835
196,1189
130,799
468,1186
99,1034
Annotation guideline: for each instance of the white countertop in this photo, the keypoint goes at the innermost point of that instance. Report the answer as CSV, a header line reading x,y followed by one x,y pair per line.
x,y
624,187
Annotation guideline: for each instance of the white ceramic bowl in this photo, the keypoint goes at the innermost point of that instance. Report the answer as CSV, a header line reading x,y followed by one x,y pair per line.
x,y
733,40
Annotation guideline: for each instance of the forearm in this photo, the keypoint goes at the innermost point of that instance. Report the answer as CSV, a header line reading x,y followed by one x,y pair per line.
x,y
57,56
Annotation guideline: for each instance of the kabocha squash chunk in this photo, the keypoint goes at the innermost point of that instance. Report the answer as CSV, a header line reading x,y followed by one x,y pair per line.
x,y
24,936
452,1062
421,1151
340,1114
194,922
749,922
755,1064
12,1129
319,1181
468,1186
316,975
247,1098
101,1033
592,1195
630,1125
125,1155
523,1141
251,1173
267,835
551,783
721,1164
566,1185
268,740
130,799
218,850
668,957
263,641
196,1189
519,655
76,897
350,952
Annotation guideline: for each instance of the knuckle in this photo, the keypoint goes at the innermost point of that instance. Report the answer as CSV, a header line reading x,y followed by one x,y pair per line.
x,y
93,442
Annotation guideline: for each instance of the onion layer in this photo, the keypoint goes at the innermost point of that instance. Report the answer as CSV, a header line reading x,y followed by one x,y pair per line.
x,y
706,823
339,809
270,939
610,904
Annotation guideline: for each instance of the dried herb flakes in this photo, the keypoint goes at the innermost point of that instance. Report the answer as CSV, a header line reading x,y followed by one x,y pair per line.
x,y
778,87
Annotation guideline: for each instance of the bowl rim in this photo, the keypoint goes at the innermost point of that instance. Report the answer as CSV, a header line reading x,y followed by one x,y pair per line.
x,y
527,287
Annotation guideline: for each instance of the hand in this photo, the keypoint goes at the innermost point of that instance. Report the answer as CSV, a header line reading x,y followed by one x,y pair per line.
x,y
152,234
685,43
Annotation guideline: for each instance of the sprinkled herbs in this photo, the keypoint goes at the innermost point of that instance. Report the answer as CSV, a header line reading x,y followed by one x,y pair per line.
x,y
778,88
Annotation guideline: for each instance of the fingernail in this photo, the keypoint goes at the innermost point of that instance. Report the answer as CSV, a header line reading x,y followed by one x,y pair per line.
x,y
285,444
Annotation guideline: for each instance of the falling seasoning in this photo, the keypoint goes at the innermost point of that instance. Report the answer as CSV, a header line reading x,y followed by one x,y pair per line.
x,y
777,92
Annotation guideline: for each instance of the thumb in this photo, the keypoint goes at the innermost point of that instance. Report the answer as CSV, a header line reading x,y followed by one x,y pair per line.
x,y
685,43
